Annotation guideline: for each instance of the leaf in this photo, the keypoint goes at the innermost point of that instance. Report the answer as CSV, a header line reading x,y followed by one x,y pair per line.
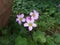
x,y
57,38
31,42
50,41
39,36
20,41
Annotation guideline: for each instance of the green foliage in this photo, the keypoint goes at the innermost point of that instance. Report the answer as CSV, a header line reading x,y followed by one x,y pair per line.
x,y
57,38
49,14
20,41
50,41
39,36
49,19
4,42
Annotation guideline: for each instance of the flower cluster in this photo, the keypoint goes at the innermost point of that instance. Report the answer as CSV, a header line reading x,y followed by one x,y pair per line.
x,y
29,21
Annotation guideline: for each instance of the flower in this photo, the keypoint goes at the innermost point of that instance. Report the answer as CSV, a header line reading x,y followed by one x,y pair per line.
x,y
30,24
34,14
28,18
58,4
20,18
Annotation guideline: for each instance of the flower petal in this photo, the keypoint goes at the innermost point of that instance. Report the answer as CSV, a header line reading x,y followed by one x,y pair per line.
x,y
23,20
22,15
32,19
34,25
18,16
36,17
35,12
27,20
30,28
19,22
31,13
17,19
26,24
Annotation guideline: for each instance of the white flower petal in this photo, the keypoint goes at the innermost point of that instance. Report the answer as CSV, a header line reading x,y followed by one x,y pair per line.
x,y
28,21
28,18
26,24
32,18
34,25
18,16
17,19
35,12
30,28
23,20
32,21
22,15
19,22
31,13
36,18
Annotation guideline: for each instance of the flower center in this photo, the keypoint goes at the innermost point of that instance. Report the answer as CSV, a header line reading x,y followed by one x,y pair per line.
x,y
30,24
21,19
33,15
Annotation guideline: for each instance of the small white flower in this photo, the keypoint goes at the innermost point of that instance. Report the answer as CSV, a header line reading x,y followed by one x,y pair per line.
x,y
20,18
30,24
34,14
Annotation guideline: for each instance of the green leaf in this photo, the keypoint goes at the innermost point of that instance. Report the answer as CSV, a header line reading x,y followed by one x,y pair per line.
x,y
39,36
50,41
31,42
57,38
20,41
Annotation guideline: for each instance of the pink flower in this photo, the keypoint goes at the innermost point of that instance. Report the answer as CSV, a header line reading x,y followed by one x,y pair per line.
x,y
28,19
20,18
58,4
34,14
30,24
